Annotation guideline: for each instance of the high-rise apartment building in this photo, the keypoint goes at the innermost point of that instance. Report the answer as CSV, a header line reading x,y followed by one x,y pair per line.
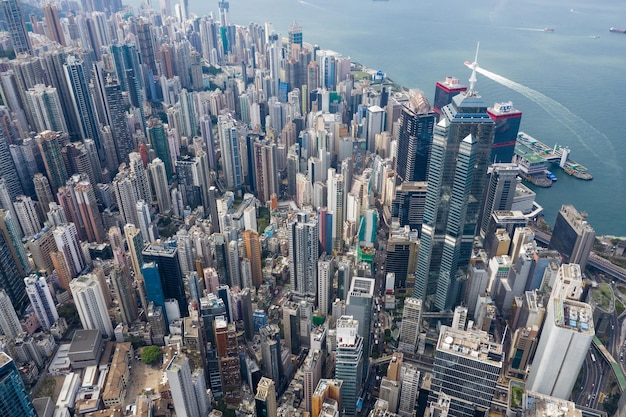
x,y
467,366
9,322
410,377
303,254
13,17
50,144
88,209
26,212
456,183
10,279
44,107
158,178
41,300
91,304
66,238
53,24
10,230
13,393
572,236
349,362
231,154
325,276
252,248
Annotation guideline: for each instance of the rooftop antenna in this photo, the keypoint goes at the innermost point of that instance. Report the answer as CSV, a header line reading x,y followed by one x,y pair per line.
x,y
473,66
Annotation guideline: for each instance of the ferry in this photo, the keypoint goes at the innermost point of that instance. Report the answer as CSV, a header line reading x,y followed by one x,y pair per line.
x,y
617,30
551,176
548,30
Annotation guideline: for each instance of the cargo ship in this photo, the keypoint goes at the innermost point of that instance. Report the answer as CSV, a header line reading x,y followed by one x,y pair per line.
x,y
617,30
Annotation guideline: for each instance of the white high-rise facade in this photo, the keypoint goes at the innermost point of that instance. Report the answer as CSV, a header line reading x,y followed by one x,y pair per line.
x,y
9,323
158,177
91,305
410,377
188,391
303,254
66,238
41,300
567,333
349,362
410,326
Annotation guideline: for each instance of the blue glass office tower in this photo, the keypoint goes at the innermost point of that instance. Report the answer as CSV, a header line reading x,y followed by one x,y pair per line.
x,y
166,260
14,399
457,175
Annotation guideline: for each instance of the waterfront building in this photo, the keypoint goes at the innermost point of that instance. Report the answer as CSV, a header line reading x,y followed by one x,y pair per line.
x,y
467,366
507,119
13,394
90,302
444,92
572,236
500,191
41,300
456,183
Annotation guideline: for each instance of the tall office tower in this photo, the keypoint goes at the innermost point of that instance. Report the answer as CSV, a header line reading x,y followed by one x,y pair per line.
x,y
12,14
500,191
467,366
231,155
445,91
10,279
188,394
126,195
234,266
41,300
91,304
6,202
44,107
402,251
303,254
88,208
206,132
50,144
414,140
129,73
266,171
115,118
507,120
375,124
567,333
13,393
271,352
408,204
325,275
459,319
291,323
523,345
295,37
265,398
26,212
359,305
410,377
153,286
135,243
66,238
252,247
336,204
456,183
312,369
327,392
572,236
158,178
10,230
144,221
146,45
53,24
124,293
349,362
9,323
77,81
166,259
158,140
187,173
411,324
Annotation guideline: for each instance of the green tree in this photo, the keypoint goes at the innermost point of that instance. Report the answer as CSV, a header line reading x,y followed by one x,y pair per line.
x,y
69,312
151,355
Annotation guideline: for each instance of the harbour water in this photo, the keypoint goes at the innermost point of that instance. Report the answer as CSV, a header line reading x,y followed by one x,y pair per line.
x,y
569,83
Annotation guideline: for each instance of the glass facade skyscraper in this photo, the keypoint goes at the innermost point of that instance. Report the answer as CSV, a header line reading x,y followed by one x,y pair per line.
x,y
456,181
14,398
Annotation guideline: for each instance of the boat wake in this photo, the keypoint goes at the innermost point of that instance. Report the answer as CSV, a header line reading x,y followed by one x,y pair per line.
x,y
531,29
315,6
587,135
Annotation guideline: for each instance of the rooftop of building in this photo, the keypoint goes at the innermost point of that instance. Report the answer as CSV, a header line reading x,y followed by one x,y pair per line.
x,y
474,344
541,405
324,384
84,340
574,316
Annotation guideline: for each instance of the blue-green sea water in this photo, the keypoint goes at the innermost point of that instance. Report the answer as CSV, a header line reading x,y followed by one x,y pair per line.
x,y
571,83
